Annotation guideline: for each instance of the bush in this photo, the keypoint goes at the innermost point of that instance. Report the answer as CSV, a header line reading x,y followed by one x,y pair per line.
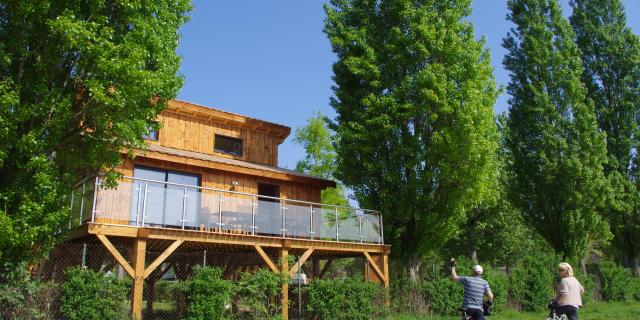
x,y
342,299
24,298
499,284
635,289
207,294
616,282
443,295
259,294
589,286
88,295
530,285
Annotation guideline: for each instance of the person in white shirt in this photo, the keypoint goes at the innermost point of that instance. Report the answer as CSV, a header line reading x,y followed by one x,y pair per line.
x,y
570,291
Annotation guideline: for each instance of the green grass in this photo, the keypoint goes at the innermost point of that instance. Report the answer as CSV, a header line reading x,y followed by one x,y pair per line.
x,y
592,311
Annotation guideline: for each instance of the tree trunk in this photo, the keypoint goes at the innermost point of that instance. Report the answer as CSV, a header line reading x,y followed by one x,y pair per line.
x,y
472,251
583,266
413,268
635,266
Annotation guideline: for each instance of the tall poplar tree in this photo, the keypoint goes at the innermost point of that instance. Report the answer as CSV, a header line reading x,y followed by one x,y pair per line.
x,y
611,58
558,152
415,132
79,80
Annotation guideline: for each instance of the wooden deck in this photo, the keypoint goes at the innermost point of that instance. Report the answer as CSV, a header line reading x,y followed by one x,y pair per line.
x,y
267,252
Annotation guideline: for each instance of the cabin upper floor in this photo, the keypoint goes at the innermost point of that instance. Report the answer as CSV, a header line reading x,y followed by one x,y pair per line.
x,y
191,127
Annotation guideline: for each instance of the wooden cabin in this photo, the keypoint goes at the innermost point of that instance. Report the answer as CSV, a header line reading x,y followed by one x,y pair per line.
x,y
209,180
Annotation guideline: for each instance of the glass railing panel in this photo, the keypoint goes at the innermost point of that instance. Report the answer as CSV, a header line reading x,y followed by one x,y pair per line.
x,y
326,220
237,214
208,212
268,218
316,221
298,220
112,205
371,228
348,225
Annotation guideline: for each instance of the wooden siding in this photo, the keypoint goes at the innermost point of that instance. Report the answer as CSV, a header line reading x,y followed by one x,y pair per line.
x,y
185,132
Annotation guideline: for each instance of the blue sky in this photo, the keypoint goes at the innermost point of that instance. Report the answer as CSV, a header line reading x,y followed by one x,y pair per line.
x,y
270,59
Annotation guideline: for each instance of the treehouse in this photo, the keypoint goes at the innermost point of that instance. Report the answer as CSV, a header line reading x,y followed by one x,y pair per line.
x,y
208,191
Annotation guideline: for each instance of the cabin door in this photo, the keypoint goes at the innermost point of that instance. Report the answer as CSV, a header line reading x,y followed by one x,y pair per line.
x,y
164,197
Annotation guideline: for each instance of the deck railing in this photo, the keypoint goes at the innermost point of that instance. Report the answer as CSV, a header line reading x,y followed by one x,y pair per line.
x,y
149,203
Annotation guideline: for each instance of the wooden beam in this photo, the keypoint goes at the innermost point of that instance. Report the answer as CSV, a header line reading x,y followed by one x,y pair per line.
x,y
266,258
116,254
162,257
375,267
301,261
284,264
325,268
140,250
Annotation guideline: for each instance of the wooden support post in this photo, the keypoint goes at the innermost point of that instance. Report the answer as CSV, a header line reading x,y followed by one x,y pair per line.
x,y
114,252
315,263
300,262
160,259
375,267
325,268
284,265
139,252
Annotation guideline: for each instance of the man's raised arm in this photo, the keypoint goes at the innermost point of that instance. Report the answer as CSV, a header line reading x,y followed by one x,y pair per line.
x,y
454,275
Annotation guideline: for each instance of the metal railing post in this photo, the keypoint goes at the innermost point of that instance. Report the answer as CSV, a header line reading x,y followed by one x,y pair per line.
x,y
71,208
82,202
184,207
204,258
360,227
138,204
94,210
283,209
381,229
144,203
220,199
337,226
311,232
84,255
253,216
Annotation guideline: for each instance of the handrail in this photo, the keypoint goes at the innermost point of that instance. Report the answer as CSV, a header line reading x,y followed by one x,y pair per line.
x,y
252,195
102,204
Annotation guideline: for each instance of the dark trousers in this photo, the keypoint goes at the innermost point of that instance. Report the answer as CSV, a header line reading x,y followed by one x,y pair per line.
x,y
475,314
570,311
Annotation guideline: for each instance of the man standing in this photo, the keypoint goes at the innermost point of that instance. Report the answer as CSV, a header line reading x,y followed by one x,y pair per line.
x,y
475,288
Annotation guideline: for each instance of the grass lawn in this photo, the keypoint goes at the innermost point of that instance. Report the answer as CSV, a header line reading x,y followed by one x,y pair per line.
x,y
592,311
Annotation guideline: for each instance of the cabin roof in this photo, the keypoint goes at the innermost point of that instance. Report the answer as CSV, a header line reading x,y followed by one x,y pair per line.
x,y
229,164
208,113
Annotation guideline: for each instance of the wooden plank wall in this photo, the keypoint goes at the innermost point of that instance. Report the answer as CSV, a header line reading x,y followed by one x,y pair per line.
x,y
115,207
186,132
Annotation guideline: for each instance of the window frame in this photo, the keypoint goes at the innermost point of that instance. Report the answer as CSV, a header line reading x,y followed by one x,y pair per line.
x,y
241,144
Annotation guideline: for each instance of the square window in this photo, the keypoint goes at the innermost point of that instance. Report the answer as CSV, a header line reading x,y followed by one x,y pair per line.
x,y
228,145
151,135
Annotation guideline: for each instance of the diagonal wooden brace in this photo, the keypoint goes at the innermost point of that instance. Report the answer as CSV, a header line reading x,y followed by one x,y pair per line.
x,y
301,261
266,258
116,254
325,268
375,267
160,259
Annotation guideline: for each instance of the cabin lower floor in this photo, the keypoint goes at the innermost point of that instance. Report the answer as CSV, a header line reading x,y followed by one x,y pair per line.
x,y
150,256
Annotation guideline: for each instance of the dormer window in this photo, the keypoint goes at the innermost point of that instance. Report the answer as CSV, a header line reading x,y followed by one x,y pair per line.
x,y
228,145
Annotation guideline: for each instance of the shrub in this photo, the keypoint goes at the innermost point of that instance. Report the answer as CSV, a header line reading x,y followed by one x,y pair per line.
x,y
635,289
499,283
207,294
342,299
24,298
88,295
616,282
530,285
589,286
259,294
443,295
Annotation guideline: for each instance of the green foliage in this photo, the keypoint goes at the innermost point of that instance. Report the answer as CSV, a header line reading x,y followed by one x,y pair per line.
x,y
88,295
531,285
589,285
342,299
259,293
557,150
414,95
635,289
22,298
320,158
443,295
615,281
208,295
78,82
499,284
610,51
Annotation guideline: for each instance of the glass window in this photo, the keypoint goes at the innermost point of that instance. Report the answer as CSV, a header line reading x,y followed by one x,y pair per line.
x,y
228,145
151,135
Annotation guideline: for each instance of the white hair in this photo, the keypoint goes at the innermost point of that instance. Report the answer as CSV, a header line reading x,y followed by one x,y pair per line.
x,y
567,267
